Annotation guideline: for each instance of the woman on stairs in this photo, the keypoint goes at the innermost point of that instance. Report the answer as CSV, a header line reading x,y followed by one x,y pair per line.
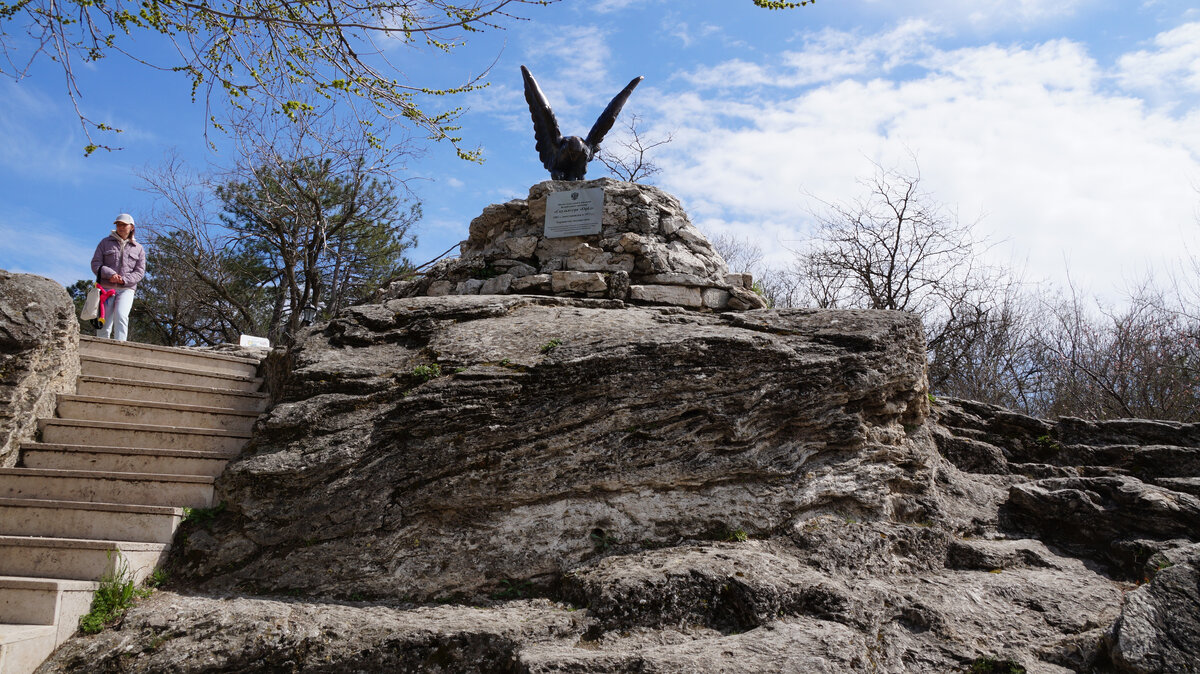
x,y
119,263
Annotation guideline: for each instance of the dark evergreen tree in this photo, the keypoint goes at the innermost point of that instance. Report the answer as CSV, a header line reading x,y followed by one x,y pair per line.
x,y
286,235
324,239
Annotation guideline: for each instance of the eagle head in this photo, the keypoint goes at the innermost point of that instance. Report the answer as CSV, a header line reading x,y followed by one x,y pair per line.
x,y
575,148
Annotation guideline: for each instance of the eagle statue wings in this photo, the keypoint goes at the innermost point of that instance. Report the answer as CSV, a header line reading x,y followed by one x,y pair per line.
x,y
567,158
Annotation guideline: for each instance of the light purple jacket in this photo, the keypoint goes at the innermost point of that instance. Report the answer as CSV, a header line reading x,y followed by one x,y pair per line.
x,y
110,259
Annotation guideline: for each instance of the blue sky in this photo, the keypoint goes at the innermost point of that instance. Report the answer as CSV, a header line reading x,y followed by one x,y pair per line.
x,y
1070,129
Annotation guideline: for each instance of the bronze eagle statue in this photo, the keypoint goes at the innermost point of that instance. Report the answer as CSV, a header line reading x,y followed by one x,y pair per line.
x,y
567,158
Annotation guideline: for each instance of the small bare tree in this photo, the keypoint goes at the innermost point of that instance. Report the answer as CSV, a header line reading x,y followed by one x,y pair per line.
x,y
744,256
988,337
991,357
898,248
813,287
1140,359
741,255
895,248
631,160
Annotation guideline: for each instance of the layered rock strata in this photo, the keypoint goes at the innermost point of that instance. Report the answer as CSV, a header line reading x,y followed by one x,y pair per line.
x,y
442,445
1120,492
648,252
541,484
39,355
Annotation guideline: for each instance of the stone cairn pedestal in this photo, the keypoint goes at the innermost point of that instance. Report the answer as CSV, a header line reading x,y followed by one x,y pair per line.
x,y
647,252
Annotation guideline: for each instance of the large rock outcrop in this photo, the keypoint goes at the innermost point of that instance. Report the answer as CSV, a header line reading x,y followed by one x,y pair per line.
x,y
39,355
432,446
1119,492
539,484
488,481
1159,625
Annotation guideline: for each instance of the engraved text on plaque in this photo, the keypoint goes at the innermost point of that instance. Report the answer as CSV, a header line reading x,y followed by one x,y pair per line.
x,y
574,212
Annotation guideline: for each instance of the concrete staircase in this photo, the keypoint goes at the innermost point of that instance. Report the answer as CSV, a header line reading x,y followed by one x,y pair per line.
x,y
145,434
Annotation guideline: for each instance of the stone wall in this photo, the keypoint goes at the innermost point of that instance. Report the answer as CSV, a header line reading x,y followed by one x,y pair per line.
x,y
648,252
39,355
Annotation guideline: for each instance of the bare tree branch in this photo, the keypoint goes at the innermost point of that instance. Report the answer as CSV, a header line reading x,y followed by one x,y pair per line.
x,y
631,160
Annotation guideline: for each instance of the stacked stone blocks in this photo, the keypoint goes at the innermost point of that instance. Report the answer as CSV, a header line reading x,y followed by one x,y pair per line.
x,y
648,252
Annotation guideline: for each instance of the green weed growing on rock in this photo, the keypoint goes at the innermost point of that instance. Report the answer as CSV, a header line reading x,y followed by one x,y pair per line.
x,y
427,372
202,517
157,579
601,539
993,666
738,535
551,345
114,596
1047,443
513,589
1154,565
155,642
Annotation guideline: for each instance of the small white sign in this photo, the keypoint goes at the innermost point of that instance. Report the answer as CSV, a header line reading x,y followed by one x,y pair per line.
x,y
255,342
574,212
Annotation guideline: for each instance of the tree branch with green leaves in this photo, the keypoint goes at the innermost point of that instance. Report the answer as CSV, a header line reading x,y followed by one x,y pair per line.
x,y
259,51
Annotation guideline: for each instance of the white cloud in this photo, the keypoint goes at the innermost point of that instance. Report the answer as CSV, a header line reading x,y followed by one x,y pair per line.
x,y
581,53
31,244
606,6
26,149
983,14
1033,137
43,138
503,102
827,56
733,73
1025,11
686,33
1173,64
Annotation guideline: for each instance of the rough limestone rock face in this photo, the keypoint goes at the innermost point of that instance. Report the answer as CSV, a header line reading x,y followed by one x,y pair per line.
x,y
541,484
648,252
199,634
1160,624
432,446
39,355
1119,492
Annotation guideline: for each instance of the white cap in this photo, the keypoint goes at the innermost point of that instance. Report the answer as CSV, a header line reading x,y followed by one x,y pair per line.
x,y
124,218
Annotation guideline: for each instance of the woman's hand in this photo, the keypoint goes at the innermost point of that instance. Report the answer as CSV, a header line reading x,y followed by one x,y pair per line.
x,y
116,279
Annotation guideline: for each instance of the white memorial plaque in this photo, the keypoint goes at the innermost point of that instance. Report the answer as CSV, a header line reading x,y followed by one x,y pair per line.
x,y
255,342
574,212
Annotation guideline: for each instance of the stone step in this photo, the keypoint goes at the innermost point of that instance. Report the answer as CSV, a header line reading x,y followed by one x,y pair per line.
x,y
130,389
78,559
45,601
79,519
190,359
117,434
104,490
105,410
124,459
24,647
103,366
193,491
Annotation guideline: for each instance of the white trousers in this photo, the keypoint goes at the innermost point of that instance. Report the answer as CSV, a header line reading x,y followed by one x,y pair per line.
x,y
116,316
